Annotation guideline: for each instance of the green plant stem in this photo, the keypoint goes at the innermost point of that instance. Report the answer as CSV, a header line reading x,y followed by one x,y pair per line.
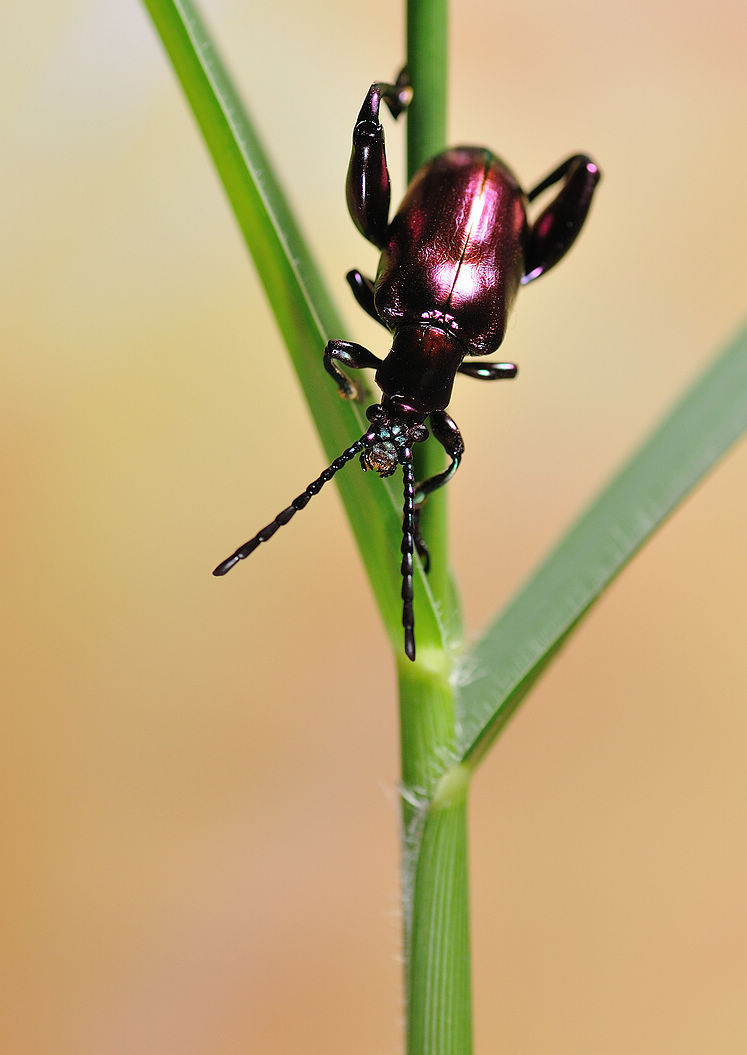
x,y
434,789
439,1019
427,739
427,62
427,59
435,896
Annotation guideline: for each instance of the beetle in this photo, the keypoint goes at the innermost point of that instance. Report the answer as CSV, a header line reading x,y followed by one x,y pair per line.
x,y
452,260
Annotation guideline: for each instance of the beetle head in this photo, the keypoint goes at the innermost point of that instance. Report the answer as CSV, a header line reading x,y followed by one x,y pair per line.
x,y
388,443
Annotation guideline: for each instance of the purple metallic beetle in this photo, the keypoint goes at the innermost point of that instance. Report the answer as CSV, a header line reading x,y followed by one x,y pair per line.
x,y
452,261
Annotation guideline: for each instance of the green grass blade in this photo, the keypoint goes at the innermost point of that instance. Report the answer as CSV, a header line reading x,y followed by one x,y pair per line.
x,y
299,300
524,638
434,796
427,62
427,23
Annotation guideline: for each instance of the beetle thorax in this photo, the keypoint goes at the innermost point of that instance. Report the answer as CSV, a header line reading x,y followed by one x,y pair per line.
x,y
418,373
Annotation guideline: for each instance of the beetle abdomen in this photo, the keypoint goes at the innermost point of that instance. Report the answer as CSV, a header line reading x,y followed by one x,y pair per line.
x,y
454,253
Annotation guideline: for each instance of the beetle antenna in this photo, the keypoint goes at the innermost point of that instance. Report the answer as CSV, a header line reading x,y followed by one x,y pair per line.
x,y
408,542
298,503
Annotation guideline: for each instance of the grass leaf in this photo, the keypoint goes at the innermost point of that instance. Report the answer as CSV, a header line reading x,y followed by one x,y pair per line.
x,y
300,302
514,650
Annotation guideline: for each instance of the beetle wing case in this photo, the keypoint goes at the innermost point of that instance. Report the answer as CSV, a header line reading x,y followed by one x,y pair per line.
x,y
454,252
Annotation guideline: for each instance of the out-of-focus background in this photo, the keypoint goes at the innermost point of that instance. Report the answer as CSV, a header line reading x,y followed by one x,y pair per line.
x,y
198,775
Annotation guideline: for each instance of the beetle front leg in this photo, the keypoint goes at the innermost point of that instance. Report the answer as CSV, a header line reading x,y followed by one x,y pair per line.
x,y
446,431
355,357
489,371
367,186
555,230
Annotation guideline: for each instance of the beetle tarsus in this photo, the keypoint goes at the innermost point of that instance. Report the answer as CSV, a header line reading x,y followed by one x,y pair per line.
x,y
401,96
397,97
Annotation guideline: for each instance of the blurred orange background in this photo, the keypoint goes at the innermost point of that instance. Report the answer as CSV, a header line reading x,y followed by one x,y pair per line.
x,y
199,775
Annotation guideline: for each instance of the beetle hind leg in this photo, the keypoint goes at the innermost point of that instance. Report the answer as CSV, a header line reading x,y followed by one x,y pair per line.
x,y
555,230
489,371
367,186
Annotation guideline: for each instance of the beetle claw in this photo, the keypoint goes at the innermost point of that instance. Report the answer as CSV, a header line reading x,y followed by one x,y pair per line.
x,y
399,97
404,94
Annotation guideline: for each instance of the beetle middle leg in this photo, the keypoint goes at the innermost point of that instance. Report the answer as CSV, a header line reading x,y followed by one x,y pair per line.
x,y
445,430
355,357
489,371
